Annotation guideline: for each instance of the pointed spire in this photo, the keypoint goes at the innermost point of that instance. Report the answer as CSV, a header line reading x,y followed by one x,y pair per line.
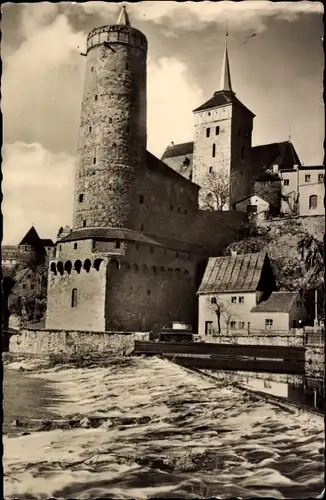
x,y
226,76
123,17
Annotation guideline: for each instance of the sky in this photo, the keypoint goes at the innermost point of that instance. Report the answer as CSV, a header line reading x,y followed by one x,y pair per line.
x,y
278,74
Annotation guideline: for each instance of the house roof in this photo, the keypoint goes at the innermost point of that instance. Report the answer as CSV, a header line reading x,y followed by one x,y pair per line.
x,y
250,196
240,273
47,242
282,154
222,98
183,149
114,233
162,168
277,302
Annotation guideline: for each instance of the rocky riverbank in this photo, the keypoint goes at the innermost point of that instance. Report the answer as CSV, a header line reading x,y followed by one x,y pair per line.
x,y
143,428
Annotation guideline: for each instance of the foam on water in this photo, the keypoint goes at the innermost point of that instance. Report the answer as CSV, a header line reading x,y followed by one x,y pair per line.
x,y
240,447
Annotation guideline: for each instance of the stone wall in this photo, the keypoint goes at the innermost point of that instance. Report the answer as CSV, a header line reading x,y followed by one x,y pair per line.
x,y
315,360
267,339
47,341
112,138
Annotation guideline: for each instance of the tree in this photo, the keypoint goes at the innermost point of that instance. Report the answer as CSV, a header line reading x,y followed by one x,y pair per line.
x,y
215,191
221,310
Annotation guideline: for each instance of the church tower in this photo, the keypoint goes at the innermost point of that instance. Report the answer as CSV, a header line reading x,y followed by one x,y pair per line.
x,y
112,136
222,146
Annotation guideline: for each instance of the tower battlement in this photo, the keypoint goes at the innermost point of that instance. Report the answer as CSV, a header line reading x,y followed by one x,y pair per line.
x,y
117,34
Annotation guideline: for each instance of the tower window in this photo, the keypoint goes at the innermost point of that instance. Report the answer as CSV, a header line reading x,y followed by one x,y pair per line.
x,y
210,170
74,297
209,113
179,210
171,207
313,201
94,160
81,198
148,292
151,249
127,129
214,150
142,227
92,69
96,97
117,244
89,129
242,152
127,65
208,132
110,120
186,211
320,177
141,199
75,246
217,130
84,223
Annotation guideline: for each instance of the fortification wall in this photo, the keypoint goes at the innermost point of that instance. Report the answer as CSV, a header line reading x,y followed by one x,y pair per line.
x,y
263,339
76,295
47,341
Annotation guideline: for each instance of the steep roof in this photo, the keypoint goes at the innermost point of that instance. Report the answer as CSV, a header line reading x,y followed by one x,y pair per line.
x,y
183,149
240,273
31,238
162,168
277,302
221,98
113,233
282,154
47,242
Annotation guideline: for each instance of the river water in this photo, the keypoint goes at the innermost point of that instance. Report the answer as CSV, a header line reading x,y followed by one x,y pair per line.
x,y
25,397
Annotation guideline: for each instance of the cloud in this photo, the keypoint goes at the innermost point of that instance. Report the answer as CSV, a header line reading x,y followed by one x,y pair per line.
x,y
42,84
196,15
37,188
171,99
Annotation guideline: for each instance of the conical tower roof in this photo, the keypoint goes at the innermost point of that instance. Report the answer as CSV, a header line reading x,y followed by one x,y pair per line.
x,y
225,83
123,17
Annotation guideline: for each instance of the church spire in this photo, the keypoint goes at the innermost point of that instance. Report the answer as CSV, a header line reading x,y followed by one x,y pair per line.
x,y
226,76
123,17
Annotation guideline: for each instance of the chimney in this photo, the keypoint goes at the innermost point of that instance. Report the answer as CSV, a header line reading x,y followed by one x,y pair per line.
x,y
275,169
233,253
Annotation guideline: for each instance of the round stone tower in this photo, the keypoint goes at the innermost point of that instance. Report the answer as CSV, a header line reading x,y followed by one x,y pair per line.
x,y
112,137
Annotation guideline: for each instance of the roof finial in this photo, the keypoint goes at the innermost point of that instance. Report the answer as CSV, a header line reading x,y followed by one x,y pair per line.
x,y
290,136
226,76
123,17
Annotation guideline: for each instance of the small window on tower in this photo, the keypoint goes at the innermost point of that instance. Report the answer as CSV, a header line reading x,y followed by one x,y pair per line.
x,y
242,152
89,129
96,97
208,132
75,246
127,129
117,244
214,150
94,160
127,65
92,69
81,198
286,182
110,120
142,227
210,170
217,130
171,207
141,199
84,223
74,298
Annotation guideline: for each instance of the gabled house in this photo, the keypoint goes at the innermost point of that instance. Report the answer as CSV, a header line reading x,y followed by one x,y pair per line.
x,y
281,311
238,293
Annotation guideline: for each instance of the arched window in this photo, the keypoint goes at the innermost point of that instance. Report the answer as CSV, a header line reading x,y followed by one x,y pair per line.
x,y
68,266
53,268
97,264
313,201
60,268
74,297
78,266
87,265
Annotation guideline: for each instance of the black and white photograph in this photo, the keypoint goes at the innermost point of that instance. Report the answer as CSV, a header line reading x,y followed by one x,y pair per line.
x,y
162,254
